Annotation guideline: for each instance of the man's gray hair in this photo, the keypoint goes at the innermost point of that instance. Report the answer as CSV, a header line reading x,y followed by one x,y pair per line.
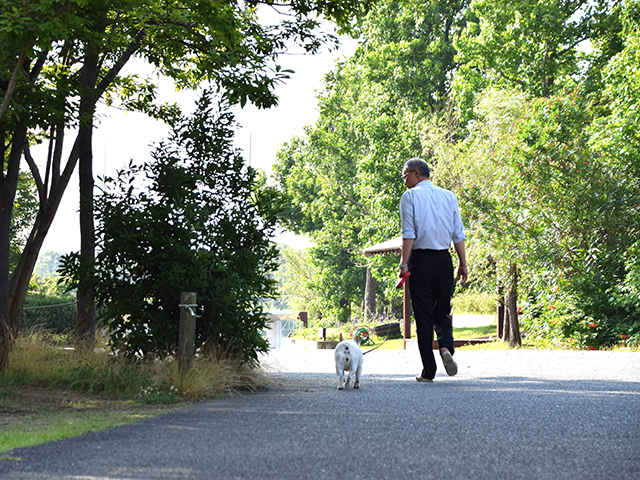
x,y
418,165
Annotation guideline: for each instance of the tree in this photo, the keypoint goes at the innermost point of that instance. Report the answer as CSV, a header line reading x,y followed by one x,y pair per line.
x,y
579,164
533,46
477,167
48,264
194,218
299,283
24,211
342,177
614,137
61,57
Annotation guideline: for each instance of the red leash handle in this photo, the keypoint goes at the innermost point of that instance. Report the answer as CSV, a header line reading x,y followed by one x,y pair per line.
x,y
403,277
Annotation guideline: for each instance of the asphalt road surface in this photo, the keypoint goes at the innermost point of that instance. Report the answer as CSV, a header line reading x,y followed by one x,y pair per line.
x,y
506,415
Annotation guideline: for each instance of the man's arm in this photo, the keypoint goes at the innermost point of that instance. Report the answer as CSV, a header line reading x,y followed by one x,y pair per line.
x,y
407,246
462,257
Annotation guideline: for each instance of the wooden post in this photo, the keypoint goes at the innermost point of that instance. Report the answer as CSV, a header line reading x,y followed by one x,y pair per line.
x,y
187,331
406,312
501,315
302,316
369,296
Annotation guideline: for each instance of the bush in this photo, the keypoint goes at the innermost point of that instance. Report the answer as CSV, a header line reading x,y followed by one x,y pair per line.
x,y
553,316
56,314
626,296
194,218
474,302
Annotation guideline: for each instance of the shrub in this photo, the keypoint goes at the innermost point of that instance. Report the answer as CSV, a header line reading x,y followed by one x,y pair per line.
x,y
36,360
56,314
193,218
474,302
554,316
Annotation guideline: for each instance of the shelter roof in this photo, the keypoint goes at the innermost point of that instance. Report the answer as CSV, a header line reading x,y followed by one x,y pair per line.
x,y
389,246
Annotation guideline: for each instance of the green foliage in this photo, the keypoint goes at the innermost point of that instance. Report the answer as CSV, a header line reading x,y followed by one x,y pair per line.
x,y
47,264
582,204
342,179
298,275
556,318
225,43
25,207
539,142
408,51
627,293
473,302
49,312
194,218
533,46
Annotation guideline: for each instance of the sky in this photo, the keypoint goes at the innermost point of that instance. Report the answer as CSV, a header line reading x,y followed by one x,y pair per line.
x,y
121,136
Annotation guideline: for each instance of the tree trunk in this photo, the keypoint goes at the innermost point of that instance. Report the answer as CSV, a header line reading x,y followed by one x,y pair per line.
x,y
19,281
511,302
506,324
8,186
6,335
501,314
29,256
369,296
86,323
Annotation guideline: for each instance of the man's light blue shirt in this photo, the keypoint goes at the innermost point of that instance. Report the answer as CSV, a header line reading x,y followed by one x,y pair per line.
x,y
431,216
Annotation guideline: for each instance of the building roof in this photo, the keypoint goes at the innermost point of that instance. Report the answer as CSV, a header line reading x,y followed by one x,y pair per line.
x,y
389,246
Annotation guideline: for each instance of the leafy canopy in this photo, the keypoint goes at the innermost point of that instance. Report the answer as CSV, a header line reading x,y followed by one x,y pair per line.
x,y
193,218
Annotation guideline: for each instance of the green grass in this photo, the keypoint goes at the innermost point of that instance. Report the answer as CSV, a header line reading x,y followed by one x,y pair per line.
x,y
464,333
58,425
458,333
486,322
49,393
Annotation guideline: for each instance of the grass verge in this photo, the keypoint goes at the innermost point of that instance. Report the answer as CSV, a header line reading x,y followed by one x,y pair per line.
x,y
33,415
462,333
49,393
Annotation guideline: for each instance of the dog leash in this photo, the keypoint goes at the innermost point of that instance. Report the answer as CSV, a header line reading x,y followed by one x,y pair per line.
x,y
376,347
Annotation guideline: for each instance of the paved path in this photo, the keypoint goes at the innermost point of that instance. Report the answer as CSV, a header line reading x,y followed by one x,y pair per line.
x,y
507,415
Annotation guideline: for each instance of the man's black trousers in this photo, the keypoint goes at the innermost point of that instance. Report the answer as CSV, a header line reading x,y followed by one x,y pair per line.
x,y
431,287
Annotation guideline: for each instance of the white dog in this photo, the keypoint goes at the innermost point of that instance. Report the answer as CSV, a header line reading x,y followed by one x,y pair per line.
x,y
348,359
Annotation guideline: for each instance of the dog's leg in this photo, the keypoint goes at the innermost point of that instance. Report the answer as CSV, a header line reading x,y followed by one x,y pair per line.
x,y
340,374
356,384
347,381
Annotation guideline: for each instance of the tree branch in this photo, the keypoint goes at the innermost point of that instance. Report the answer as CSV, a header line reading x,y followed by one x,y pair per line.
x,y
49,160
57,152
42,193
115,69
12,84
37,68
569,48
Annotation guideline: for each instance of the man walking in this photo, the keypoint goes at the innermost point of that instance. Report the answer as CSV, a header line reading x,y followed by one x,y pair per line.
x,y
430,221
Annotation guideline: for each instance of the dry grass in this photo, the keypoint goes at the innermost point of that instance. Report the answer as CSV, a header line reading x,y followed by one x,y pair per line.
x,y
50,391
208,377
37,360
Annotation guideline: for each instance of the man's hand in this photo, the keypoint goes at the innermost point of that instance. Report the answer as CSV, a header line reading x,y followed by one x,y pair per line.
x,y
462,261
403,277
462,273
